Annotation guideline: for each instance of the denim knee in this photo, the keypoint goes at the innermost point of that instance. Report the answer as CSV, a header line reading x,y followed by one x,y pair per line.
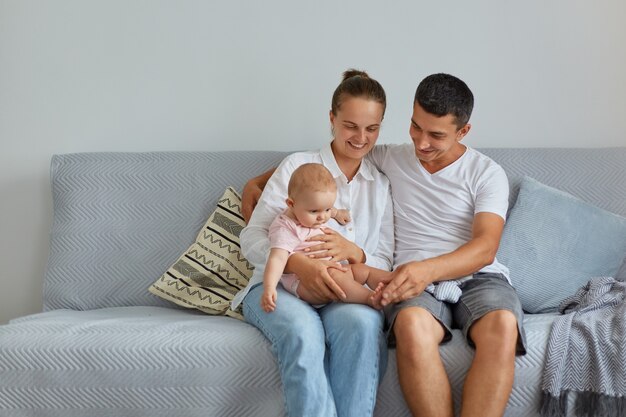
x,y
352,321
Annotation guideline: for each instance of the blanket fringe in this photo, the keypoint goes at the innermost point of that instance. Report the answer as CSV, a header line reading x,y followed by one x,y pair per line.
x,y
587,404
553,406
593,404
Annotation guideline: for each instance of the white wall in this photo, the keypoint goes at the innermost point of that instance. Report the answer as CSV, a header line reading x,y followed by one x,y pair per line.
x,y
118,75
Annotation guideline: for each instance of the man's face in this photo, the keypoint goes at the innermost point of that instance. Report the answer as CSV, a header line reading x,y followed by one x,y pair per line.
x,y
436,139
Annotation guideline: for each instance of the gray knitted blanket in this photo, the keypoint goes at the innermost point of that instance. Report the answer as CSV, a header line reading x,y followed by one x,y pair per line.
x,y
586,354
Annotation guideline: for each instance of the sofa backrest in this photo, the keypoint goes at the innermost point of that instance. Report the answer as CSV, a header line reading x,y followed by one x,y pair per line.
x,y
121,219
595,175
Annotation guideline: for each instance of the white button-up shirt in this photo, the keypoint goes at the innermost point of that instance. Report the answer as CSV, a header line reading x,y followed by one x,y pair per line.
x,y
367,196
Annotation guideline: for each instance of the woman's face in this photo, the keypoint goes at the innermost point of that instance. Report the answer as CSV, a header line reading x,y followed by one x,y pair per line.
x,y
356,127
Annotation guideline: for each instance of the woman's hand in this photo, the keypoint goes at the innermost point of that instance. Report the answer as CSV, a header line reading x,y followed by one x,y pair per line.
x,y
408,280
335,246
314,276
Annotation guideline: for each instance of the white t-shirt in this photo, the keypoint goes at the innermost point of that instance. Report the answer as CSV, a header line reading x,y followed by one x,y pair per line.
x,y
434,213
367,197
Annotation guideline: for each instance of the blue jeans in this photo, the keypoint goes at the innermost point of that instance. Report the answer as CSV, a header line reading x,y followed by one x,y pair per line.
x,y
330,359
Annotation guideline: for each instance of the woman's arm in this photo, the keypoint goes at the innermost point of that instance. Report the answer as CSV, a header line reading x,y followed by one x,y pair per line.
x,y
255,244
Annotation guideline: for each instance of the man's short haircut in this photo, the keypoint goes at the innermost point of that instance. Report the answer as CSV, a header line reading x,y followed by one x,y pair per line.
x,y
443,94
311,177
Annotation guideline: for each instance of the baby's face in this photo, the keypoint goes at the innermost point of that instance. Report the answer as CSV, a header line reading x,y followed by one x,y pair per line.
x,y
313,209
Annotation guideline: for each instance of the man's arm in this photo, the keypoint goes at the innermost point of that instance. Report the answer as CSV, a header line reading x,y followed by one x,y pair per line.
x,y
252,193
411,278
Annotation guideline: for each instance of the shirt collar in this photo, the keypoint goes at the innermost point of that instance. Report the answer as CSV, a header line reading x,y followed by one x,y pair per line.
x,y
328,159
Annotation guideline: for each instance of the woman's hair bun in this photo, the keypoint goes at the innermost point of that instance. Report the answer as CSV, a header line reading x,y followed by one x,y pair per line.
x,y
357,83
354,73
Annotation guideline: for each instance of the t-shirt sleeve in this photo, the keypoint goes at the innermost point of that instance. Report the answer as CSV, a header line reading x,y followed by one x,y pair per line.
x,y
382,257
377,156
492,195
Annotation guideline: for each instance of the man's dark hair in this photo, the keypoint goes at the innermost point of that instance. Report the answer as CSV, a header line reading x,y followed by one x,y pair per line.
x,y
443,94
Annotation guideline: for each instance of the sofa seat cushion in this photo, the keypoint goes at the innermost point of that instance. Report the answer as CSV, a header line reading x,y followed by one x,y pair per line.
x,y
154,361
457,357
118,361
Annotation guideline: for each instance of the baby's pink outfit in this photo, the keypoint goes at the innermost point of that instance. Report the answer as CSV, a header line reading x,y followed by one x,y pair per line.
x,y
285,233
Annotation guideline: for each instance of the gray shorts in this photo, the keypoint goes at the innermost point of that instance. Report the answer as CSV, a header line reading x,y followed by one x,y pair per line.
x,y
484,293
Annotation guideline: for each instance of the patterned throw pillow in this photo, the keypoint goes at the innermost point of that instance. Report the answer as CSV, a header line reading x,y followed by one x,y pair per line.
x,y
209,274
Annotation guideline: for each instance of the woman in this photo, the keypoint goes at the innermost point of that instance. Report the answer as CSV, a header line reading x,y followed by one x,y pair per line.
x,y
330,358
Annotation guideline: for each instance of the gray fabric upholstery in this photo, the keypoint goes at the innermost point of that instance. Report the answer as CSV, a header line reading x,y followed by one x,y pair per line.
x,y
135,361
122,219
145,360
596,175
106,347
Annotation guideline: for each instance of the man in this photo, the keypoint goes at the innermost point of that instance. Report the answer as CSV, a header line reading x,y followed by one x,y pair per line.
x,y
450,204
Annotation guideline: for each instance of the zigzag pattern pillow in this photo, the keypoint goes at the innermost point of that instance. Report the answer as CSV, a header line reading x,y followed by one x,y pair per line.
x,y
209,274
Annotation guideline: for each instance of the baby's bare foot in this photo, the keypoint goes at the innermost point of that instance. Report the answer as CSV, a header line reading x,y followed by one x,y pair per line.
x,y
375,299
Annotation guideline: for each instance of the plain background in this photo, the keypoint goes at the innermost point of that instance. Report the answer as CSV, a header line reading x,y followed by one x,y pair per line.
x,y
156,75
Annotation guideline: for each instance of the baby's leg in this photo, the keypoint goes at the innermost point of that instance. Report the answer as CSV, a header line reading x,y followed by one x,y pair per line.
x,y
309,297
369,275
375,278
354,289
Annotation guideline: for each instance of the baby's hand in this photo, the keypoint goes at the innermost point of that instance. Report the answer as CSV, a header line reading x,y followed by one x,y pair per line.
x,y
343,216
268,300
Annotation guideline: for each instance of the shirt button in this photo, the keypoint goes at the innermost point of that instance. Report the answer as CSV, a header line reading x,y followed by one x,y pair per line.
x,y
350,229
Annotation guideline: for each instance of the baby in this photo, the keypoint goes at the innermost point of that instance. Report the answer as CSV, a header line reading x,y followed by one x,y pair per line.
x,y
311,196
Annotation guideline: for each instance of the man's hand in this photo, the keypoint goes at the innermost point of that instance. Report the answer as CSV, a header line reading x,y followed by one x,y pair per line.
x,y
249,198
252,193
408,281
336,246
314,276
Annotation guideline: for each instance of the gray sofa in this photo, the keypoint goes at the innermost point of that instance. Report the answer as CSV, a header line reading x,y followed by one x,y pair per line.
x,y
104,346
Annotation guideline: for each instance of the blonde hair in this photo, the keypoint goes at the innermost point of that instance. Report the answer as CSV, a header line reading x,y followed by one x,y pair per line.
x,y
310,177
